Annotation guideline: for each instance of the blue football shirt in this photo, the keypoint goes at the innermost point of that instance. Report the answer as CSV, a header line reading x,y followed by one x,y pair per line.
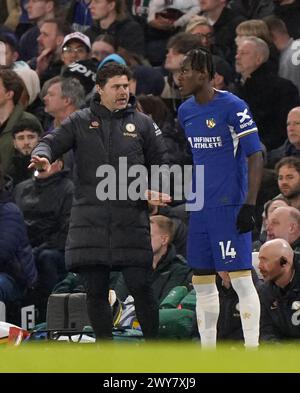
x,y
222,134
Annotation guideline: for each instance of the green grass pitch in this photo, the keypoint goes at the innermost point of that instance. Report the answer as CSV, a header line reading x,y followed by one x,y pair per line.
x,y
166,357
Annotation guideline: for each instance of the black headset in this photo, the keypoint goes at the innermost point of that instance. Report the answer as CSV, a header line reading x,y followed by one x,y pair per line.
x,y
283,261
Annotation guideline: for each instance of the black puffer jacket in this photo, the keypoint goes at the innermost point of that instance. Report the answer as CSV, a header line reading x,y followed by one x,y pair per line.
x,y
109,232
280,309
46,205
16,257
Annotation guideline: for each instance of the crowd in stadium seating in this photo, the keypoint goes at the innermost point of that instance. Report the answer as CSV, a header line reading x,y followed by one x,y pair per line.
x,y
50,51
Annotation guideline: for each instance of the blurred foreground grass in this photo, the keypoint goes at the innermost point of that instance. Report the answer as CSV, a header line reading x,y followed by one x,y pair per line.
x,y
166,357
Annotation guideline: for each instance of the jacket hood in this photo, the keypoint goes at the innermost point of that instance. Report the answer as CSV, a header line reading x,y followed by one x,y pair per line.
x,y
56,177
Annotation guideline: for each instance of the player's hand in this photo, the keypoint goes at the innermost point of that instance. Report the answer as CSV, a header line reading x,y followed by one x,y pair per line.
x,y
40,164
225,279
156,198
245,221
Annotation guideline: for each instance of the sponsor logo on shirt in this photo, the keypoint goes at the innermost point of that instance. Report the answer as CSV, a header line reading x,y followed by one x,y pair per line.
x,y
205,142
157,129
243,116
296,305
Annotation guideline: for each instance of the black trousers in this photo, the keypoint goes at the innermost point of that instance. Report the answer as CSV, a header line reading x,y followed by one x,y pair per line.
x,y
138,281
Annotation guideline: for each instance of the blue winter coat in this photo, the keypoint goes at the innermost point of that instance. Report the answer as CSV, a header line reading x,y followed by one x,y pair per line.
x,y
16,257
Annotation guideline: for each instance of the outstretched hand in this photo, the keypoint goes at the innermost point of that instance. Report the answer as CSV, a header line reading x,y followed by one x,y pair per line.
x,y
40,164
156,198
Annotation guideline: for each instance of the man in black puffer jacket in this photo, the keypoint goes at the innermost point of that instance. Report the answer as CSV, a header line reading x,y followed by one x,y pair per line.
x,y
109,231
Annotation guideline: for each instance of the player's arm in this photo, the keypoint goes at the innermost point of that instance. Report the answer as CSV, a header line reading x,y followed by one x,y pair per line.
x,y
246,218
247,133
255,170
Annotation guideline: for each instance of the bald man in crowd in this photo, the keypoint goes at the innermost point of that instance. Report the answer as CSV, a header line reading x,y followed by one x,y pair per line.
x,y
280,293
291,146
284,223
270,97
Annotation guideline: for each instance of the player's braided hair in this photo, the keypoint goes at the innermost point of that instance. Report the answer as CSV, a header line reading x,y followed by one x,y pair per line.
x,y
201,60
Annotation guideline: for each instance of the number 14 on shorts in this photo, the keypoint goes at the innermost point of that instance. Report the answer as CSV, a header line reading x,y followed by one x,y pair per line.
x,y
227,251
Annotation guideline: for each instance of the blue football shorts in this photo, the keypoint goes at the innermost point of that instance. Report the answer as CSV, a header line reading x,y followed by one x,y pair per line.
x,y
214,242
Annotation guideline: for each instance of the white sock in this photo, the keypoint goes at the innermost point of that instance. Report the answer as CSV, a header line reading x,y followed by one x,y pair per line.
x,y
249,309
207,310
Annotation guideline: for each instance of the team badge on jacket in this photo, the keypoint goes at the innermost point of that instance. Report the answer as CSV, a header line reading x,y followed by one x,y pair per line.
x,y
94,124
130,130
210,123
130,127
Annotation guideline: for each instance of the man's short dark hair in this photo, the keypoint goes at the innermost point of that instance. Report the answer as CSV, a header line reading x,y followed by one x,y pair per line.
x,y
10,41
63,27
29,125
275,24
183,42
293,162
110,70
12,82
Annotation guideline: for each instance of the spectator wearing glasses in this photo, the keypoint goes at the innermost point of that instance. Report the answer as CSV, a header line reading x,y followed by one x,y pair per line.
x,y
200,26
259,28
224,21
76,46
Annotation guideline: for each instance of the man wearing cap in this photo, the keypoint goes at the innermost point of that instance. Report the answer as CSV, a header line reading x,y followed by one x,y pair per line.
x,y
110,231
76,46
113,58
